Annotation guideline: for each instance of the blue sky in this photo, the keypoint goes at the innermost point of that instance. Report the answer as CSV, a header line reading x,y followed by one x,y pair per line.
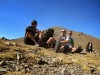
x,y
78,15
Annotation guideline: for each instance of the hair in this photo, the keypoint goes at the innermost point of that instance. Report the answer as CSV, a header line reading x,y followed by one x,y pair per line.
x,y
33,22
63,30
51,30
70,31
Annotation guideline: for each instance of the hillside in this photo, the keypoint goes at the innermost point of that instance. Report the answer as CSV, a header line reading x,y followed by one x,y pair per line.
x,y
21,59
80,39
19,40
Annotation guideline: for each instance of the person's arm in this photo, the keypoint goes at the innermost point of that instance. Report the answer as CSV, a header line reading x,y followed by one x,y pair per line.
x,y
37,31
29,34
65,41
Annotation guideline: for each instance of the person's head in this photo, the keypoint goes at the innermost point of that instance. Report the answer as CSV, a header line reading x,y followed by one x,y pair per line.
x,y
34,23
51,30
70,33
63,32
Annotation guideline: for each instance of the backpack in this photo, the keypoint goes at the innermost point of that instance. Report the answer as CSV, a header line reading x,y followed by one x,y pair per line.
x,y
49,33
79,49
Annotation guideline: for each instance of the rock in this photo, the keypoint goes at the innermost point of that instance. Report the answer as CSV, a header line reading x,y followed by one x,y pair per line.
x,y
65,72
11,44
7,44
42,62
19,55
56,60
15,44
72,69
17,68
98,68
23,70
1,63
74,60
37,66
26,66
92,69
2,71
27,70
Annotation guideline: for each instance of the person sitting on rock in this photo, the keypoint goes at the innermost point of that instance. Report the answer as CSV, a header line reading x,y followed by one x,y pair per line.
x,y
47,40
32,34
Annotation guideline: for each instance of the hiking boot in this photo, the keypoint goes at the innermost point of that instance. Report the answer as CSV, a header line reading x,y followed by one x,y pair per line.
x,y
79,49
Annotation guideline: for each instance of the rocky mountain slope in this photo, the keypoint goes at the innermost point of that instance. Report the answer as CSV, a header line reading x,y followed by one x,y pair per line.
x,y
16,58
21,59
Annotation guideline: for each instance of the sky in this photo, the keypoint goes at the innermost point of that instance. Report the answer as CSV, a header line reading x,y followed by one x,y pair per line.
x,y
77,15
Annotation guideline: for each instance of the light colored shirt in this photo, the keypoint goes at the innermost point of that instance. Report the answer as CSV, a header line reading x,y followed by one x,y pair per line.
x,y
70,41
62,38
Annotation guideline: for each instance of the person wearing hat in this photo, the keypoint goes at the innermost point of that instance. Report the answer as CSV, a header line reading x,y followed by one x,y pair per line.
x,y
68,43
32,34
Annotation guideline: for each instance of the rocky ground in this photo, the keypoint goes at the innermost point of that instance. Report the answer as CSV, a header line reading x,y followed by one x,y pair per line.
x,y
20,59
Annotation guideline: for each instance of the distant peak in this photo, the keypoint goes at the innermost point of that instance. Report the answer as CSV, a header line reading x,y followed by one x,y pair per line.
x,y
58,27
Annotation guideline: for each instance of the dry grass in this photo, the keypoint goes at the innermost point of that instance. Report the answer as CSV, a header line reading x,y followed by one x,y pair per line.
x,y
85,60
85,68
7,55
89,58
17,73
31,55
